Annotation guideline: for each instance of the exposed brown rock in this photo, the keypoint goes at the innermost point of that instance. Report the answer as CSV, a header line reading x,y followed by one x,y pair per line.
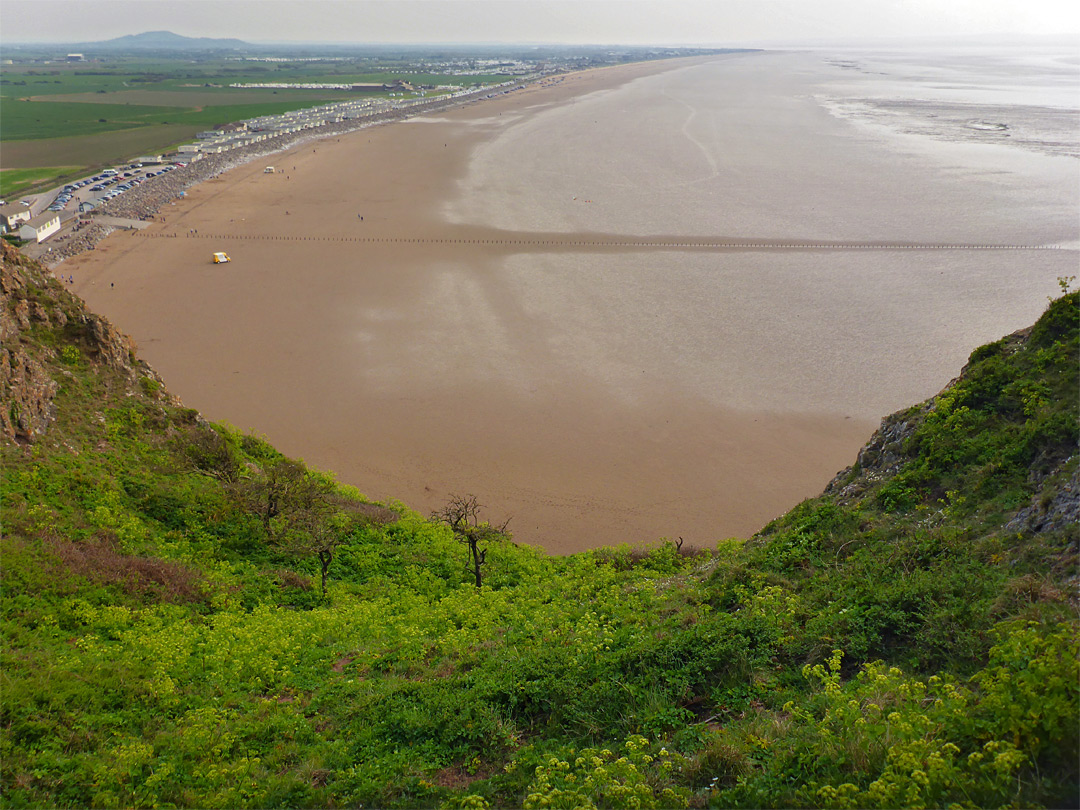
x,y
31,299
27,392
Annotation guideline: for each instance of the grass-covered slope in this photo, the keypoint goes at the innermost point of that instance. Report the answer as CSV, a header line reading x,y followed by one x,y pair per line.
x,y
907,639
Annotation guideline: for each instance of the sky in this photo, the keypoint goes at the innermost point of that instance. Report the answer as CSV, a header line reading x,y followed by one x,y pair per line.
x,y
631,22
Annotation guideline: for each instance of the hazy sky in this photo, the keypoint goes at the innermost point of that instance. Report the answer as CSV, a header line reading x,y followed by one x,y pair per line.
x,y
570,21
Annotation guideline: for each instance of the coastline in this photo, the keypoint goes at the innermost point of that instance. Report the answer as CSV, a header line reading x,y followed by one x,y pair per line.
x,y
418,357
146,202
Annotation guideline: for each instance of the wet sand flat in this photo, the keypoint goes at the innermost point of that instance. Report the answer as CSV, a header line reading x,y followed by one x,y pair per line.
x,y
481,330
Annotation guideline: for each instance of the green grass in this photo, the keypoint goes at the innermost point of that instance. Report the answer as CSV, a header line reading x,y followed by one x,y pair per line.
x,y
115,110
34,120
30,120
132,130
96,151
166,641
14,181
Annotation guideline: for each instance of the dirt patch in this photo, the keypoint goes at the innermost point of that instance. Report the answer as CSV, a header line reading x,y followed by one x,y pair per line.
x,y
147,577
456,777
372,511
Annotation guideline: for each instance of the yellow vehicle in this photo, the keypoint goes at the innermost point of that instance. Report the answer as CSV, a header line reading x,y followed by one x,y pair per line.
x,y
221,258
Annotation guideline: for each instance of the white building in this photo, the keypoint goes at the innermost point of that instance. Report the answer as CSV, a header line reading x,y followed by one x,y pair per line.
x,y
13,215
40,227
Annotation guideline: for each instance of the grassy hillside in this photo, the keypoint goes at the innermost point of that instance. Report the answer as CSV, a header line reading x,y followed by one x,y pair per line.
x,y
906,639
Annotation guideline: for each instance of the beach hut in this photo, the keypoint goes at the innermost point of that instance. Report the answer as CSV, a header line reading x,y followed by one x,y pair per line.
x,y
14,215
40,227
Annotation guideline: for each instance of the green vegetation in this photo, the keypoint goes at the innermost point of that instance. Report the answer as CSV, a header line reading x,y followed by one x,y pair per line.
x,y
14,181
25,120
891,643
167,100
31,120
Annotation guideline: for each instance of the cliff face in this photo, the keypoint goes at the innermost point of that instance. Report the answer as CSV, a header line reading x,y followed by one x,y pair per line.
x,y
885,454
43,325
895,446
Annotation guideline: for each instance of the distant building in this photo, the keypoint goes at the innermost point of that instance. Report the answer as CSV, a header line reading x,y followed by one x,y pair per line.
x,y
76,57
396,86
14,214
149,160
40,227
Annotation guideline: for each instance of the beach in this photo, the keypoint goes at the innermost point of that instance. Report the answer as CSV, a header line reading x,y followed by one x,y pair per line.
x,y
463,303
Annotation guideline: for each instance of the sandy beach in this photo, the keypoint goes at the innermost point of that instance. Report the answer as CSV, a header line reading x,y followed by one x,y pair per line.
x,y
407,309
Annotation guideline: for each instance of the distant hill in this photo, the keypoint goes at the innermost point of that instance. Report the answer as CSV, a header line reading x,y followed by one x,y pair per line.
x,y
167,40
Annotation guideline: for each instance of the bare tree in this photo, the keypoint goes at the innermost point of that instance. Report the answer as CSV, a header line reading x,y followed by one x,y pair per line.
x,y
285,494
207,452
462,515
300,510
320,536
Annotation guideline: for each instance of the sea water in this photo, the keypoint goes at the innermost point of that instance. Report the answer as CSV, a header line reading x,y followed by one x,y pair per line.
x,y
972,150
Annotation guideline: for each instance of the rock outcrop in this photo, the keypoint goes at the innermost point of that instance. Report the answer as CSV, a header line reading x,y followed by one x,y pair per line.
x,y
33,308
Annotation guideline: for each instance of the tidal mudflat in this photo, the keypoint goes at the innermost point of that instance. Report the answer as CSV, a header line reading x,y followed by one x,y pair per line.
x,y
667,299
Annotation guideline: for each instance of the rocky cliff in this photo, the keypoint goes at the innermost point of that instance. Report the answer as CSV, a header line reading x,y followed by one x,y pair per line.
x,y
43,325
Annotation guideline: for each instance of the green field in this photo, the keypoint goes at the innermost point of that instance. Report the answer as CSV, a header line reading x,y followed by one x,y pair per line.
x,y
87,115
30,120
34,120
14,181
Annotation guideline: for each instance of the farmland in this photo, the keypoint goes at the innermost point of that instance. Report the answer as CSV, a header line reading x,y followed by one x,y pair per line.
x,y
63,119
